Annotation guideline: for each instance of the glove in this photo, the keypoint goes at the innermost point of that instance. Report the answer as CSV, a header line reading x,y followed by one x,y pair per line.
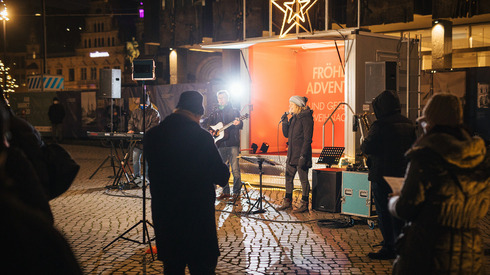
x,y
284,117
302,162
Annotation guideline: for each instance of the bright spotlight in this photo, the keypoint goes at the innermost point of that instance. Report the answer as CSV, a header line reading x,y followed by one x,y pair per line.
x,y
236,89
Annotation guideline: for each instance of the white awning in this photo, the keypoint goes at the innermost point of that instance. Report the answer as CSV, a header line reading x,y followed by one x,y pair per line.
x,y
330,35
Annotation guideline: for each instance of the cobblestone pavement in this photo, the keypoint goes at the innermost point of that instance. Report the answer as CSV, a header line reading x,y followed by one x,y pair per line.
x,y
91,216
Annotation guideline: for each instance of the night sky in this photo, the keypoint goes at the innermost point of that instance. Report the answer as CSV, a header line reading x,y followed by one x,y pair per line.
x,y
60,16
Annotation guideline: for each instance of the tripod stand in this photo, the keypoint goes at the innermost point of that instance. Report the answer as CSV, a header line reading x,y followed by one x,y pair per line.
x,y
246,194
258,203
124,168
111,156
144,222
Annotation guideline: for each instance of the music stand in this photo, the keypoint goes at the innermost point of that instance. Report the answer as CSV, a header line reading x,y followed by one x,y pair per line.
x,y
259,160
330,155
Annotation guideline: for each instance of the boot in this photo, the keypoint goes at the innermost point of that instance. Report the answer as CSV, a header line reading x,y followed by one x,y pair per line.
x,y
303,207
286,204
223,196
234,198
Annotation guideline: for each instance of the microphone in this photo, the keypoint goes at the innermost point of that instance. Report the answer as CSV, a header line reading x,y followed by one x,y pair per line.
x,y
285,114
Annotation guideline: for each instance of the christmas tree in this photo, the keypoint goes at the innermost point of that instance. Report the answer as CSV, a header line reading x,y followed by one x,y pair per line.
x,y
8,86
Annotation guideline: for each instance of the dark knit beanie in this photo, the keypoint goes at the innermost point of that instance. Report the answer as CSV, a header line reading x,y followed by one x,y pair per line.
x,y
191,101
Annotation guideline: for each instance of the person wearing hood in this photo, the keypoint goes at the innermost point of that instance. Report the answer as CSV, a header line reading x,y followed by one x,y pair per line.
x,y
299,131
445,195
389,137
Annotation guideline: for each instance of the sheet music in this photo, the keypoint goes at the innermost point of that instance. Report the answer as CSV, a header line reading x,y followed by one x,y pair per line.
x,y
395,183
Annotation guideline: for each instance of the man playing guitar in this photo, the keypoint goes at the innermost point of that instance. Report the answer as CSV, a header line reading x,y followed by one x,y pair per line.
x,y
229,144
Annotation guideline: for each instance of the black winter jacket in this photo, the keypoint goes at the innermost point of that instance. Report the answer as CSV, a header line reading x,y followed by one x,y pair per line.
x,y
299,131
389,137
56,113
27,139
25,183
226,115
183,166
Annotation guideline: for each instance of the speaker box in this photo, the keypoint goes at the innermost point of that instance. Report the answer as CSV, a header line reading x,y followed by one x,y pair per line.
x,y
327,186
110,83
380,76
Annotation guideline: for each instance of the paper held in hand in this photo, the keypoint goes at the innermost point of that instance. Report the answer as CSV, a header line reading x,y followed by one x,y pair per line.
x,y
395,183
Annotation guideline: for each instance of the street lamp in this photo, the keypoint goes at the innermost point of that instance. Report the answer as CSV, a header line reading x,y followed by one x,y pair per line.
x,y
4,18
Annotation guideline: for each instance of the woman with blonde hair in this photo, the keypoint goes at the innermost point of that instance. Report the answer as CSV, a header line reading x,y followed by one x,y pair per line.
x,y
299,131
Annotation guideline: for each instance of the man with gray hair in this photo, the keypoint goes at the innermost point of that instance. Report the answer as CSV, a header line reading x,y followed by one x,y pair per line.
x,y
229,145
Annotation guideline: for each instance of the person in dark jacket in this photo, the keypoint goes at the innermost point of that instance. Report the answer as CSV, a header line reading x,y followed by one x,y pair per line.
x,y
24,137
56,115
445,195
135,125
229,145
26,221
24,181
299,131
389,137
184,166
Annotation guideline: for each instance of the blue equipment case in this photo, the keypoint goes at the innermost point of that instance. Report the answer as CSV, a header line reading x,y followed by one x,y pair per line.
x,y
357,199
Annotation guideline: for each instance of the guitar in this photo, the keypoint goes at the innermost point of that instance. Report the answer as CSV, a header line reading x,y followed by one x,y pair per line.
x,y
219,130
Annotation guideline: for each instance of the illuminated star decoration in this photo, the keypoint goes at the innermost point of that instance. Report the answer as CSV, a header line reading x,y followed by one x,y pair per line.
x,y
294,14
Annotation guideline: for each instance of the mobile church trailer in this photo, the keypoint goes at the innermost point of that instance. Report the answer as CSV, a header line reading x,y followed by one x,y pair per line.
x,y
340,72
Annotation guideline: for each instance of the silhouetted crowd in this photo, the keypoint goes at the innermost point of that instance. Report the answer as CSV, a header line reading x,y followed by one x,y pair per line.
x,y
431,226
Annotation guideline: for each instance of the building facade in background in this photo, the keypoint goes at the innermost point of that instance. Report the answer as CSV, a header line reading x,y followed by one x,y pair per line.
x,y
99,48
174,30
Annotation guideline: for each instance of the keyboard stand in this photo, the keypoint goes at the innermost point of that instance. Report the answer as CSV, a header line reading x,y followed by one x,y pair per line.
x,y
110,157
125,169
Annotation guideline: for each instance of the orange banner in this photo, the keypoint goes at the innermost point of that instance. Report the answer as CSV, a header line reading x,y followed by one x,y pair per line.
x,y
283,69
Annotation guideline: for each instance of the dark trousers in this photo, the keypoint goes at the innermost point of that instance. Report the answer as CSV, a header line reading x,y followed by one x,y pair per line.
x,y
390,226
57,132
303,178
176,266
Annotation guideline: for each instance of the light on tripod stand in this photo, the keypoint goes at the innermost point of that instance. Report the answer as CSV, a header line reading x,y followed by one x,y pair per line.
x,y
264,147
